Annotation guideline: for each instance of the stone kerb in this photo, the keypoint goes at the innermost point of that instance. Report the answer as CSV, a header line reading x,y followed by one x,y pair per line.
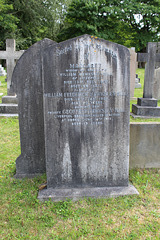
x,y
27,83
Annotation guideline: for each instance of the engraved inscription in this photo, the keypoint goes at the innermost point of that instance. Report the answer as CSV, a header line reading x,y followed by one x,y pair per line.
x,y
86,95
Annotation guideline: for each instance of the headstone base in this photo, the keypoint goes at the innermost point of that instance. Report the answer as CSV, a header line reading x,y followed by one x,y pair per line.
x,y
25,175
147,102
146,107
10,99
144,117
8,108
8,115
78,193
146,111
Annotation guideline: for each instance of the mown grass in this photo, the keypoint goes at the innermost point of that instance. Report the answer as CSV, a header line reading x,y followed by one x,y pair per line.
x,y
22,216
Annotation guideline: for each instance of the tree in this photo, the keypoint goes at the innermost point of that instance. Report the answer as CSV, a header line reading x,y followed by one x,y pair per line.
x,y
29,21
143,19
7,22
128,22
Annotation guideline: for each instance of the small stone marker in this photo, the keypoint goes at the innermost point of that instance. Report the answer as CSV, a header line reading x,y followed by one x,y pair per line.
x,y
27,83
86,119
2,71
137,82
147,106
10,55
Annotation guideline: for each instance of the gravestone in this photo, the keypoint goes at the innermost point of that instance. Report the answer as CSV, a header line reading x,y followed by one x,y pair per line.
x,y
2,71
10,55
86,119
133,67
147,106
156,87
27,83
157,65
137,82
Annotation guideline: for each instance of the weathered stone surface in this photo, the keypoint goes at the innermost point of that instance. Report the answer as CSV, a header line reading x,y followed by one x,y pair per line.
x,y
10,99
144,145
10,55
133,67
8,108
150,102
77,193
145,111
151,57
157,65
86,112
27,83
156,86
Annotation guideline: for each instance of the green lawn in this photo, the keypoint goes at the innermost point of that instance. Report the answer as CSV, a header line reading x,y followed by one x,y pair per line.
x,y
22,216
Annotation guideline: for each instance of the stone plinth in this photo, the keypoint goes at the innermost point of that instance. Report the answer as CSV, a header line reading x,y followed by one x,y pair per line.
x,y
78,193
145,111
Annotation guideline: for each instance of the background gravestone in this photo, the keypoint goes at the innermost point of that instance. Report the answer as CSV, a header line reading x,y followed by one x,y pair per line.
x,y
157,65
86,113
10,55
133,67
156,87
147,106
27,83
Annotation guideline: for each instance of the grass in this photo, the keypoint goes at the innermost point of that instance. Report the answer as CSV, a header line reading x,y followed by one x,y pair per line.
x,y
22,216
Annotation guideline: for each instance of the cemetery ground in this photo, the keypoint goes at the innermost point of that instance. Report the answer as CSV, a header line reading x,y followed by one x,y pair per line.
x,y
22,216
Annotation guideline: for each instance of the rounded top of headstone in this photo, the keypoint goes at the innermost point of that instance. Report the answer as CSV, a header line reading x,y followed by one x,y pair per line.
x,y
24,63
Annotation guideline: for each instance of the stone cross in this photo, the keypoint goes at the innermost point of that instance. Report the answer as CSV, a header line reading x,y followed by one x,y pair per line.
x,y
151,57
10,55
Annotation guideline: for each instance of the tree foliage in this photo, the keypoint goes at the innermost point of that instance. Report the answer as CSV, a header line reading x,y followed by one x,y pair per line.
x,y
33,20
7,22
128,22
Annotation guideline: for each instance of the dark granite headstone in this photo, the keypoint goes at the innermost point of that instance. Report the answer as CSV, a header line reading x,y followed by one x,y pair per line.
x,y
27,83
86,117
